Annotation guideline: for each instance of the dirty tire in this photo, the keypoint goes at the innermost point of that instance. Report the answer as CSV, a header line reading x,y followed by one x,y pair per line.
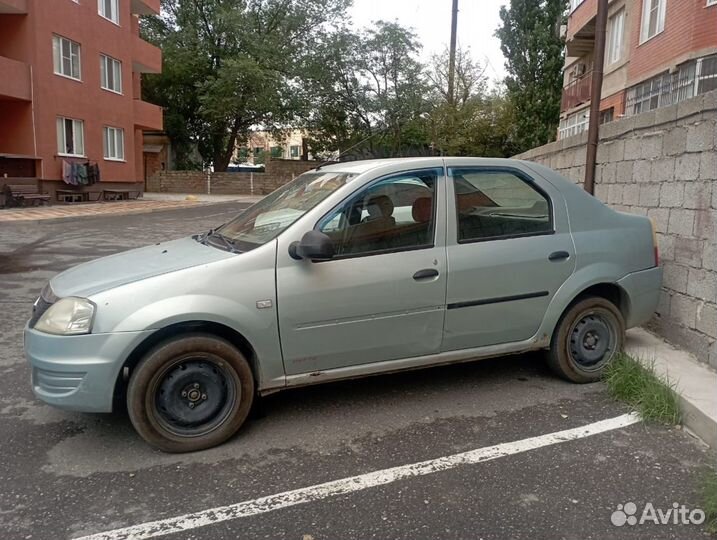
x,y
586,339
190,393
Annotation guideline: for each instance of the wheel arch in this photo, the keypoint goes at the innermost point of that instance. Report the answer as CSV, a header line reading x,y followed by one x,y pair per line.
x,y
609,290
198,326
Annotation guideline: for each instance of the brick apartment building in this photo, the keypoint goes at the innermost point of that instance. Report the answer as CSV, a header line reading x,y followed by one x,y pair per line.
x,y
657,52
70,92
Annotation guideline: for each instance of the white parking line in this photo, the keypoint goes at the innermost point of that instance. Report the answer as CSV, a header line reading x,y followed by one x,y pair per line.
x,y
356,483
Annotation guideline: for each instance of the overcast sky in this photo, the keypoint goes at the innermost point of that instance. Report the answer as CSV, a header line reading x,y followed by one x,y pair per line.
x,y
431,20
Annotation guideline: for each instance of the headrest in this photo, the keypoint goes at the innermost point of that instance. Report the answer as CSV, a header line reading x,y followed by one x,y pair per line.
x,y
383,203
422,209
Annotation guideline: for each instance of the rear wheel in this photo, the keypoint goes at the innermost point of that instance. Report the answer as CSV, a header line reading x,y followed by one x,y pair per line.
x,y
190,393
587,337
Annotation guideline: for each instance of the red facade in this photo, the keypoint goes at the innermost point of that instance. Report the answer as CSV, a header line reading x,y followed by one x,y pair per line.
x,y
35,37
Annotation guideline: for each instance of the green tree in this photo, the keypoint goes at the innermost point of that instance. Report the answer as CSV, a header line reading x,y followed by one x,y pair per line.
x,y
230,65
366,87
533,48
476,122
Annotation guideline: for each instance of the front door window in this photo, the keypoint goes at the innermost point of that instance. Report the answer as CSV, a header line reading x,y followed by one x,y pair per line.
x,y
394,214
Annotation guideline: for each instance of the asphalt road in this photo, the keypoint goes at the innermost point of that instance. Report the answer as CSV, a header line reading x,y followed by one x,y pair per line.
x,y
65,475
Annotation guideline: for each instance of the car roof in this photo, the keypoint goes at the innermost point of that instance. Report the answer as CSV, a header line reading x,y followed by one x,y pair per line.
x,y
362,166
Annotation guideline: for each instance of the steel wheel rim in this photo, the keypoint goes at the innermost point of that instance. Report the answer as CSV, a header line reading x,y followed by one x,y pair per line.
x,y
193,395
592,341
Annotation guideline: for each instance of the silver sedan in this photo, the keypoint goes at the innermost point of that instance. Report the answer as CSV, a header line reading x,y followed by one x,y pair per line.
x,y
352,269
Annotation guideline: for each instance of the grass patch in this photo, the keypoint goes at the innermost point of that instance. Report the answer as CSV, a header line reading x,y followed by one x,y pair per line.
x,y
639,386
709,499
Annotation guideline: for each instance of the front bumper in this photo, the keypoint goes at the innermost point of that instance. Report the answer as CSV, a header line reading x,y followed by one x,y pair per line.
x,y
643,290
78,373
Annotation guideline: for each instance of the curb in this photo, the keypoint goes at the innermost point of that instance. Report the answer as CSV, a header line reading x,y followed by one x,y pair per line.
x,y
198,204
695,383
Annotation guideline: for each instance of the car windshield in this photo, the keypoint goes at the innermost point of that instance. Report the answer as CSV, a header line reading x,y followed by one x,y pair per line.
x,y
268,218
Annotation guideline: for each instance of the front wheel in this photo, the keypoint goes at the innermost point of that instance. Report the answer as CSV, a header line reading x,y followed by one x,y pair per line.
x,y
190,393
586,339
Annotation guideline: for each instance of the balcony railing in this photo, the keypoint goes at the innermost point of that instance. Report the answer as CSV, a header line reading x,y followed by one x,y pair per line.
x,y
146,58
13,7
15,80
576,92
147,115
145,7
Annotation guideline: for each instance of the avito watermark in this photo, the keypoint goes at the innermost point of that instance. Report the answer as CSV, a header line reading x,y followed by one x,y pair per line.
x,y
677,514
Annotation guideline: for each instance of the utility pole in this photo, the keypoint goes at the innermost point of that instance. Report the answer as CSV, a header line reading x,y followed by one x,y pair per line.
x,y
452,57
595,95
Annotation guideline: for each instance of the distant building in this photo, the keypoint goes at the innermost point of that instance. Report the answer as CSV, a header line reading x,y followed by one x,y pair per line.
x,y
658,52
70,90
263,143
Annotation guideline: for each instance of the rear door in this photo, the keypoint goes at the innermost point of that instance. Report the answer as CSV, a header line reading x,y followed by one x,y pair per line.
x,y
509,249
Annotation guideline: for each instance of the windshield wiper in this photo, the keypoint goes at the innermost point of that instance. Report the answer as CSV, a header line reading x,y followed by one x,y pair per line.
x,y
225,241
228,243
202,237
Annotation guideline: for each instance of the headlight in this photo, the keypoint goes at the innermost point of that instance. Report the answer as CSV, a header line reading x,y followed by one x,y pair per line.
x,y
68,316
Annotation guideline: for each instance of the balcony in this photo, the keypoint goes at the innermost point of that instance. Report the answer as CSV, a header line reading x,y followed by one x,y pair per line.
x,y
580,35
576,92
146,58
145,7
13,7
15,80
147,116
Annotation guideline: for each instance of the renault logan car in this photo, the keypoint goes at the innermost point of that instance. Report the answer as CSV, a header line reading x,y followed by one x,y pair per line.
x,y
352,269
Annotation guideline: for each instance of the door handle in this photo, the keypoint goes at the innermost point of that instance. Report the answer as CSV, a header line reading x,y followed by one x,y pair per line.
x,y
558,256
425,273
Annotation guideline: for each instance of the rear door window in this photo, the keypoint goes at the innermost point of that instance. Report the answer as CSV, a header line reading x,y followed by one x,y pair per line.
x,y
493,204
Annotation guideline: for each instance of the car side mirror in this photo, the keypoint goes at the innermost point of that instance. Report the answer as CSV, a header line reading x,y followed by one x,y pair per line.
x,y
314,245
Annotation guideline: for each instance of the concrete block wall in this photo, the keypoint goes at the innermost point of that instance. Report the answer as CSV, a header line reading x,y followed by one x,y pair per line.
x,y
278,173
663,164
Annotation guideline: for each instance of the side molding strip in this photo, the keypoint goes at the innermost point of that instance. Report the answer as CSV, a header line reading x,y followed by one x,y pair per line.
x,y
497,300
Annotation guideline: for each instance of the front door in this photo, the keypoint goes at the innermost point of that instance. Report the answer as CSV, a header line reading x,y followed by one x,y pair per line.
x,y
382,297
509,250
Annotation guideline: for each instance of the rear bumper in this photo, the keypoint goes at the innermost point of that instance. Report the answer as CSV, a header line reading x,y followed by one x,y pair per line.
x,y
78,372
643,291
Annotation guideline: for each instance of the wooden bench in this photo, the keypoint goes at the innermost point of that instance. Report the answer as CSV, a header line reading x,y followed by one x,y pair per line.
x,y
22,194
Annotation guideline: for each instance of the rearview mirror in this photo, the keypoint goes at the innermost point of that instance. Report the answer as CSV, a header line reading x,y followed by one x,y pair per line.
x,y
314,245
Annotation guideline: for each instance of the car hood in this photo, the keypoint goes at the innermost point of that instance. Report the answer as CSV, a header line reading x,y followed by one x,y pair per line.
x,y
108,272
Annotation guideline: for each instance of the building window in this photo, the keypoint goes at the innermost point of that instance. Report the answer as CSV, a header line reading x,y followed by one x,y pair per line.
x,y
295,151
276,152
608,115
653,18
687,81
109,9
66,57
574,4
70,137
113,143
707,78
645,96
110,74
615,32
574,124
